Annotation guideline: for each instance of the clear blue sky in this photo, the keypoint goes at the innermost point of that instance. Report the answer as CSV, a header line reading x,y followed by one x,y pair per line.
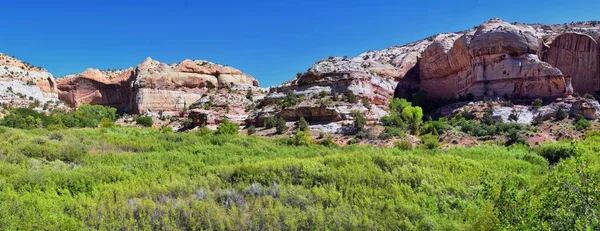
x,y
271,40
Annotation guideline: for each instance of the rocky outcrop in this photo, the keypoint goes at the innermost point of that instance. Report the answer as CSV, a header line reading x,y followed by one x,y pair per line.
x,y
578,56
498,59
22,83
109,88
152,86
162,87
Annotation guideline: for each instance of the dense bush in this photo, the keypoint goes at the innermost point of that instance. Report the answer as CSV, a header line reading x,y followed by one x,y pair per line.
x,y
561,114
403,145
302,124
581,123
430,141
145,121
270,122
554,152
302,138
227,127
281,126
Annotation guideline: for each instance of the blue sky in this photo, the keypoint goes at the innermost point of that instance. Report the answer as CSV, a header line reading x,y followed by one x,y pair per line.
x,y
271,40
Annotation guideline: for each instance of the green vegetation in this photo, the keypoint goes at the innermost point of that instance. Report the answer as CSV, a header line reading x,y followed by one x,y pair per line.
x,y
404,116
270,122
144,121
303,125
281,126
581,123
143,179
85,116
227,127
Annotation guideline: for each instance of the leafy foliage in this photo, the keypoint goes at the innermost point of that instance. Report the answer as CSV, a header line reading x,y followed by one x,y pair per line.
x,y
85,116
124,178
281,126
227,127
303,125
145,121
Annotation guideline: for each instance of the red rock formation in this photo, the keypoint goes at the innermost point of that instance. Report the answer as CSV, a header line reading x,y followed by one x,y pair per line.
x,y
152,86
109,88
577,55
495,60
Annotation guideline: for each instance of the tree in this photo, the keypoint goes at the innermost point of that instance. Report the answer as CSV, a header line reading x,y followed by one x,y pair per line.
x,y
537,103
303,125
281,127
359,120
414,117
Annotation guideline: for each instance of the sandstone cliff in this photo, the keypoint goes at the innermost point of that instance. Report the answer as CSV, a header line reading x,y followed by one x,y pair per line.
x,y
495,60
22,83
152,86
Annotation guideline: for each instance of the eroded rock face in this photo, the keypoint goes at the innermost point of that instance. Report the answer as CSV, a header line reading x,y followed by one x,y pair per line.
x,y
22,83
497,59
576,55
109,88
152,86
162,87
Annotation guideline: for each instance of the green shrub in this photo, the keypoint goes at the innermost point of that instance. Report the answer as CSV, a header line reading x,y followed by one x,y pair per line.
x,y
537,103
203,131
430,141
393,131
227,127
435,126
515,136
270,122
350,97
561,114
403,145
366,103
359,120
581,123
302,138
107,123
328,142
303,125
166,129
251,129
281,127
554,152
144,121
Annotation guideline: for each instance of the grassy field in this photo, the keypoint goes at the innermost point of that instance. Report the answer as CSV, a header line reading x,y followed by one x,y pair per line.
x,y
142,179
